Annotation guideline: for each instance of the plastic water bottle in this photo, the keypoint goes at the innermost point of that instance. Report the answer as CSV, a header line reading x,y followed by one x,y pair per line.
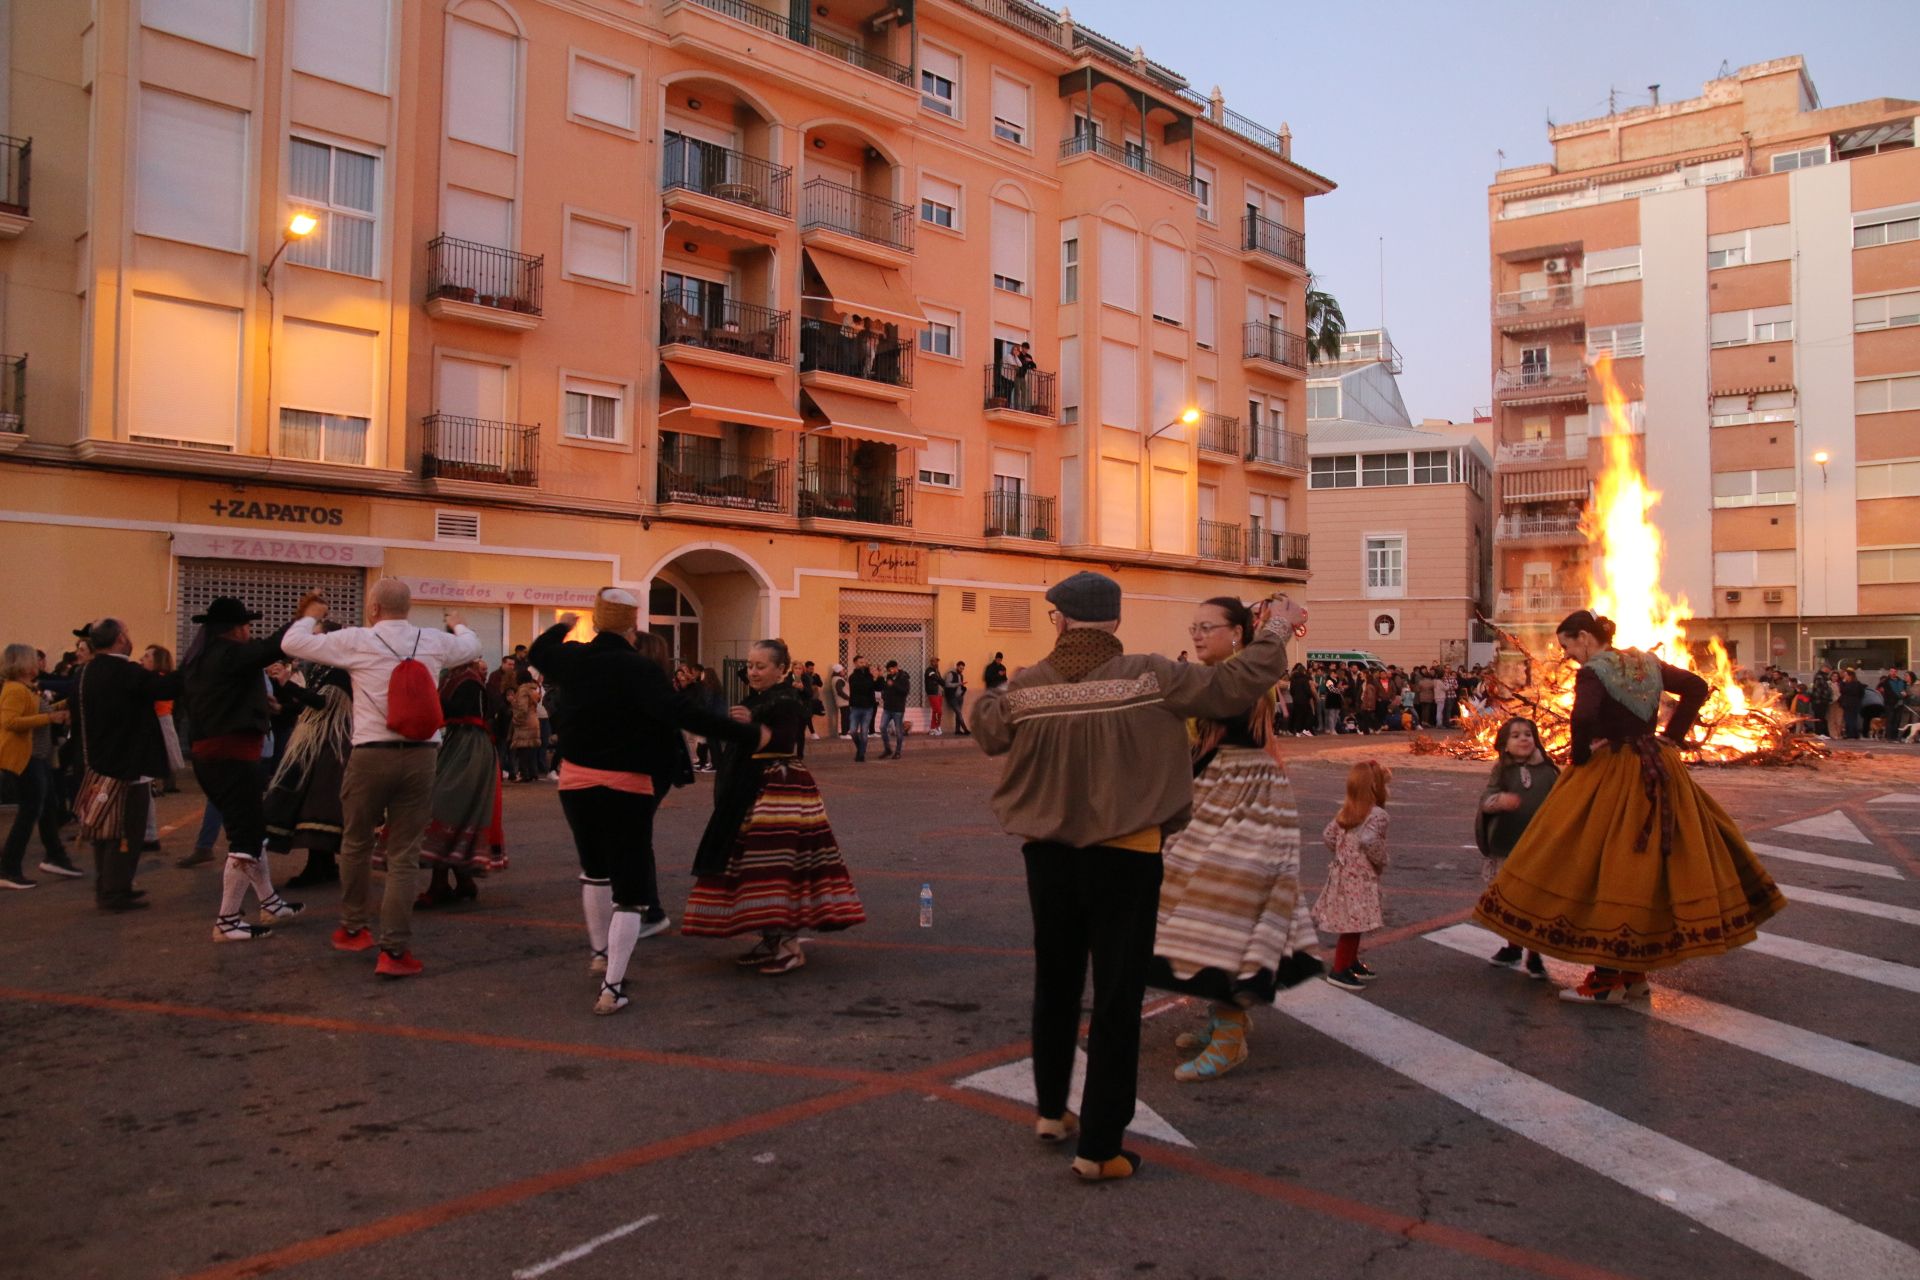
x,y
926,906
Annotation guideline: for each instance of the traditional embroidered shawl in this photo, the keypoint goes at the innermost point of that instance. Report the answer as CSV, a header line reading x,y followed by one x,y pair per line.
x,y
1631,678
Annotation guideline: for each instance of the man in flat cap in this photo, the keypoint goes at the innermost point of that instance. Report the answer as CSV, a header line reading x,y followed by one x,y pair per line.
x,y
226,695
1098,773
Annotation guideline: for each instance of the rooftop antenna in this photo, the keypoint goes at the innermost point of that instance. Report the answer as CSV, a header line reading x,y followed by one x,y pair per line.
x,y
1612,93
1654,89
1725,70
1383,283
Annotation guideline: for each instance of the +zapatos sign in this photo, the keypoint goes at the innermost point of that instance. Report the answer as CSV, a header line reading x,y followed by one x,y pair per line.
x,y
241,510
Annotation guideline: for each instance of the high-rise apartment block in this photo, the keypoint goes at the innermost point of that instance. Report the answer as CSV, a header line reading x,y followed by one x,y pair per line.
x,y
1751,261
853,321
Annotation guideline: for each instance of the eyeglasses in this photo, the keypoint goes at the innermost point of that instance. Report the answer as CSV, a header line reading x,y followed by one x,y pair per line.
x,y
1053,616
1201,630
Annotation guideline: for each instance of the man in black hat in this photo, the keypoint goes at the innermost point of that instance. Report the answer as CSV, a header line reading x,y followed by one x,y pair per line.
x,y
1099,771
120,740
226,696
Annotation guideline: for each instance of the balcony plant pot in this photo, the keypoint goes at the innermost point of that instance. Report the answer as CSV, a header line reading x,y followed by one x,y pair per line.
x,y
488,300
994,531
1040,533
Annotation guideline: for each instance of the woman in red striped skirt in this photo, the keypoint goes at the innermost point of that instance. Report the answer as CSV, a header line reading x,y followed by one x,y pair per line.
x,y
769,863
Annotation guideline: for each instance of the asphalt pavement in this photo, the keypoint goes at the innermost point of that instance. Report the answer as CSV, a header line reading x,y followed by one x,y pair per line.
x,y
174,1107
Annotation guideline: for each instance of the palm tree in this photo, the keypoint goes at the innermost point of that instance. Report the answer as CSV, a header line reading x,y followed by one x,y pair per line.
x,y
1325,323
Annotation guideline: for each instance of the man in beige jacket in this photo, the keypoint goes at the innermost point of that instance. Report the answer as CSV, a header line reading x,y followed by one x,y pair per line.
x,y
1098,773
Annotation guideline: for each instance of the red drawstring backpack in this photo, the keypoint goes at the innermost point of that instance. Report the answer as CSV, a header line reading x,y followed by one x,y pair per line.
x,y
413,702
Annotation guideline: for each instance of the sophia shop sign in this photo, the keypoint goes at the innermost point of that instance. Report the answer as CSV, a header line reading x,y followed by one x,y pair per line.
x,y
461,591
293,551
894,564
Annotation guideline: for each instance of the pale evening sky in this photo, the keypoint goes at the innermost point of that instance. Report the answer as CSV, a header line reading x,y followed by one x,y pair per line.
x,y
1406,105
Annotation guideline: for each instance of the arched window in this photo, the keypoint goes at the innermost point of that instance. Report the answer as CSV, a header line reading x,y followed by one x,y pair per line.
x,y
674,617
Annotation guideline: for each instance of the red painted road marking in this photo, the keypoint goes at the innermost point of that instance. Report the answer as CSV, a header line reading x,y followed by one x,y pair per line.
x,y
1884,838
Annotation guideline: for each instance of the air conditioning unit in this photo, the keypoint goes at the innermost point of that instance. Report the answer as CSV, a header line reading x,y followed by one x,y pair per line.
x,y
1733,597
1774,597
1555,266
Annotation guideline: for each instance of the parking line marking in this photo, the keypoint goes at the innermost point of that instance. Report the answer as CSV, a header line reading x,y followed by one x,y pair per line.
x,y
1791,1230
1866,1069
582,1250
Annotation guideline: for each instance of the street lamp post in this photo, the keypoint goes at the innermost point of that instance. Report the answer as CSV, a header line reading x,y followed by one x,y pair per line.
x,y
301,225
1188,417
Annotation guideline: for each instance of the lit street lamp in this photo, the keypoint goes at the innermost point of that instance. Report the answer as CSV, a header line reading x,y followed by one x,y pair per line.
x,y
299,227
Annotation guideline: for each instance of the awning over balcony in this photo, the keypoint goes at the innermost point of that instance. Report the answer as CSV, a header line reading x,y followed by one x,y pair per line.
x,y
718,234
859,418
722,395
855,288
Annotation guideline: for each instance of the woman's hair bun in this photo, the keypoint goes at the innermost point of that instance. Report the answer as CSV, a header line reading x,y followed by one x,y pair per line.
x,y
1585,620
1606,628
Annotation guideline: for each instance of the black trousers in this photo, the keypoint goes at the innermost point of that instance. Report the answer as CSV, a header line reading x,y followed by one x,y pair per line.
x,y
1102,904
234,788
37,806
113,864
613,835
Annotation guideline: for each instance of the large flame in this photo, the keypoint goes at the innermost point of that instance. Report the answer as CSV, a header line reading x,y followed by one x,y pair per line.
x,y
1624,585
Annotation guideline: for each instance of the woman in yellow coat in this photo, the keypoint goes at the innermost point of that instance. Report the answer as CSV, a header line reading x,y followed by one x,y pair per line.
x,y
1629,865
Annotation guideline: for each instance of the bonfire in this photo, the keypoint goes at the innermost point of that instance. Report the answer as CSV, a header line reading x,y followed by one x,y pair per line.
x,y
1737,725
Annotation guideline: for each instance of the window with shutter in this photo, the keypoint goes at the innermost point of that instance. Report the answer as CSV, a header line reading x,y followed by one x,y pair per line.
x,y
1010,110
1169,277
1119,267
1206,302
191,179
482,67
599,92
1119,385
1009,251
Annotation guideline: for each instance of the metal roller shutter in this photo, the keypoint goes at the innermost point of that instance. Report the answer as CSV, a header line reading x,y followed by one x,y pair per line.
x,y
267,588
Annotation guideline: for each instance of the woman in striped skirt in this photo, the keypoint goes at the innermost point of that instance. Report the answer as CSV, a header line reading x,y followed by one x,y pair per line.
x,y
768,863
1233,926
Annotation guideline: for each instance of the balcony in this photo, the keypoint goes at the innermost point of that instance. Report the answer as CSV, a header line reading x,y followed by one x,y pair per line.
x,y
474,449
833,206
1017,399
1272,447
732,177
13,395
1019,515
1035,22
1545,530
1219,541
480,284
1261,234
1549,484
866,354
1540,604
1359,348
1274,549
851,54
738,328
1220,435
711,478
1537,382
794,31
16,174
1570,449
1128,157
1551,307
1263,341
846,493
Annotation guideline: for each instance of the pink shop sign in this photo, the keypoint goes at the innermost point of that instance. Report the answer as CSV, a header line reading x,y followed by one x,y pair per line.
x,y
458,591
302,551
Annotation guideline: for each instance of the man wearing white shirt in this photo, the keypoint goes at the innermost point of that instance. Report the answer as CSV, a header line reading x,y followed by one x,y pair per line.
x,y
389,779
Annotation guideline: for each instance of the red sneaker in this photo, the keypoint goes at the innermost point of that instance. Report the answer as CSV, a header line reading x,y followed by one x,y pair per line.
x,y
345,939
1598,988
397,966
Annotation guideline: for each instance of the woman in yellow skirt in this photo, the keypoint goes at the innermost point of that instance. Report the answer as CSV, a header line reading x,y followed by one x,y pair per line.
x,y
1629,865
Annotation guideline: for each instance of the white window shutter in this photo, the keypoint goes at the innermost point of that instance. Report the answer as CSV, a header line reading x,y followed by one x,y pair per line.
x,y
1119,385
1169,274
482,70
1119,267
326,368
343,40
1206,305
478,218
602,93
1010,100
192,172
1010,241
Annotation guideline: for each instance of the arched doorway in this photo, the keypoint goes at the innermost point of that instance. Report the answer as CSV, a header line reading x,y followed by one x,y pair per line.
x,y
710,604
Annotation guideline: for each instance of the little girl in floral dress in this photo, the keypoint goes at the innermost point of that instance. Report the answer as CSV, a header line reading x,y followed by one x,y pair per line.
x,y
1349,902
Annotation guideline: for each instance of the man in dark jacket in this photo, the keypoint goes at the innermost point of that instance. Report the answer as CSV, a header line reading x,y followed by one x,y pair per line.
x,y
895,689
936,690
231,715
1853,695
860,695
119,736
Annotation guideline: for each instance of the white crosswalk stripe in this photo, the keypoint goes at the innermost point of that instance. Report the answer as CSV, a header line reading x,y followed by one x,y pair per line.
x,y
1789,1229
1835,1059
1852,866
1827,826
1898,797
1859,906
1867,968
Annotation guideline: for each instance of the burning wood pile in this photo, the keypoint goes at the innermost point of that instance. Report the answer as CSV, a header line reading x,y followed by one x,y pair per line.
x,y
1624,584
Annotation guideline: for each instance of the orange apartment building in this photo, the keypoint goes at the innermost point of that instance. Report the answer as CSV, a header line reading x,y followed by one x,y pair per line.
x,y
710,298
1401,513
1751,259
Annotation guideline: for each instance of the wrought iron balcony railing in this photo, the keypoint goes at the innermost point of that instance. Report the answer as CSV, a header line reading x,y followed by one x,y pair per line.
x,y
1020,515
1517,379
1028,393
1035,22
1089,144
463,271
714,478
837,207
1220,434
695,319
1539,603
1219,541
457,448
826,347
1526,528
13,394
1277,448
1543,301
1275,239
800,31
848,493
690,164
1276,548
1263,341
16,174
